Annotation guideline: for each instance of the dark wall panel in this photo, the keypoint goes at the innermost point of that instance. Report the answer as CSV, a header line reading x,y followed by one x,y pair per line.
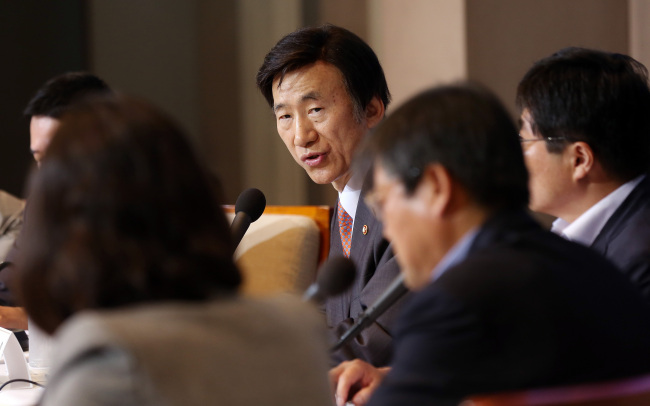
x,y
37,41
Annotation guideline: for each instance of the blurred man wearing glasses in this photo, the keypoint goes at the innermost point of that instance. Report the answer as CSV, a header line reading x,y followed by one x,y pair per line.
x,y
585,133
499,304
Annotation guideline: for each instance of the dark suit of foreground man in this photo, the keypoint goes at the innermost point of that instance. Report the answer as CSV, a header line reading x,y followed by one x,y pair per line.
x,y
327,90
501,304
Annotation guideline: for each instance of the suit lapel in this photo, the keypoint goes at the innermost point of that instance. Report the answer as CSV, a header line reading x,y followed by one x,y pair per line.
x,y
338,307
361,243
636,199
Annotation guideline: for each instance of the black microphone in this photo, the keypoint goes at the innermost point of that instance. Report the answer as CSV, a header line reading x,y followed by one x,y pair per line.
x,y
394,291
249,207
334,277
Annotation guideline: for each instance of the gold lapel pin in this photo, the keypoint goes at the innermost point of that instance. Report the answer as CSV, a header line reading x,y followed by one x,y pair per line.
x,y
365,229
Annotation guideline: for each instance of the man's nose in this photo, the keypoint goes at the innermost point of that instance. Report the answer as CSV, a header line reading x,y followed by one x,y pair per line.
x,y
306,134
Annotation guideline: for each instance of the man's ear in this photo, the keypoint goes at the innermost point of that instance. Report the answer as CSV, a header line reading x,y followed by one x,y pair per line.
x,y
375,111
581,159
436,185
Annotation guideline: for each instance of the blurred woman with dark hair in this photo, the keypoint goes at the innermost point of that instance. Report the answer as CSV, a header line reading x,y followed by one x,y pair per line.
x,y
129,264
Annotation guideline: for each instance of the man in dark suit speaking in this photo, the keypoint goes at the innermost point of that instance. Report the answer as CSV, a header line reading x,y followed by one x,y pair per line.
x,y
585,131
500,304
327,90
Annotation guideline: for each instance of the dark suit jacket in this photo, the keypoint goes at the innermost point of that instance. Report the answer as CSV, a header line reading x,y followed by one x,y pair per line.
x,y
625,239
525,309
376,269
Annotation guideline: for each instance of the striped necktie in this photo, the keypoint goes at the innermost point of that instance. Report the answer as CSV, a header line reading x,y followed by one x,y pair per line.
x,y
345,227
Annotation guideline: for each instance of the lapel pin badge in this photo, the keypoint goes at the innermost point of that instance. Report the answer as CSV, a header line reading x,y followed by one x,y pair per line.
x,y
365,229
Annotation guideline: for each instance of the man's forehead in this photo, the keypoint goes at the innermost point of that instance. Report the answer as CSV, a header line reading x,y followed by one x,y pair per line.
x,y
43,124
316,75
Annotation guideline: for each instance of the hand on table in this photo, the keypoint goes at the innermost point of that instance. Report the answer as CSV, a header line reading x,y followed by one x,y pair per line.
x,y
355,381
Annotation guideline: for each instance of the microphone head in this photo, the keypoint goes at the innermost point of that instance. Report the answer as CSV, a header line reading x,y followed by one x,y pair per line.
x,y
252,202
335,276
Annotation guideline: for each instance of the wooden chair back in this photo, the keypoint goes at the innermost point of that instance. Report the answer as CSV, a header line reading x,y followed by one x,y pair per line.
x,y
281,251
626,392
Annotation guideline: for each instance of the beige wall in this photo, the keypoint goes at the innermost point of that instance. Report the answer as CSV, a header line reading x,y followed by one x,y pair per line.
x,y
639,16
504,37
420,43
266,164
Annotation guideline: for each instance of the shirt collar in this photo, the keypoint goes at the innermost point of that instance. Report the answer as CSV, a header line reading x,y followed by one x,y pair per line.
x,y
349,197
586,228
456,254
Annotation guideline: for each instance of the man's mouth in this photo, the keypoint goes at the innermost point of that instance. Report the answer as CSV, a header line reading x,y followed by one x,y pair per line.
x,y
313,159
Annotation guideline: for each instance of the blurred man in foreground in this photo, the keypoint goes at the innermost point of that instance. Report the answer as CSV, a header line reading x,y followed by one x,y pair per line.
x,y
501,304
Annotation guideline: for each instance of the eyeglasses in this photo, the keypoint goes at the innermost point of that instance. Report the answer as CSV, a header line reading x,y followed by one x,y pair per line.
x,y
376,197
523,140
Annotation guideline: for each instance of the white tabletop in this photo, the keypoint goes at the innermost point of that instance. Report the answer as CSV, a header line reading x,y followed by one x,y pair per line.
x,y
22,396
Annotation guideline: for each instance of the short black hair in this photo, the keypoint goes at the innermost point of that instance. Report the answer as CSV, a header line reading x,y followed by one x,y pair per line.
x,y
58,93
601,98
466,129
362,73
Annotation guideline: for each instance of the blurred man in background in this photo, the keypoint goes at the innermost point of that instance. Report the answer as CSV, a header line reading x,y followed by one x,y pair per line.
x,y
585,132
44,111
11,221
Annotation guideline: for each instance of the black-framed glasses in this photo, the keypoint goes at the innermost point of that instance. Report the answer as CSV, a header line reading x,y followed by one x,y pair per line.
x,y
524,140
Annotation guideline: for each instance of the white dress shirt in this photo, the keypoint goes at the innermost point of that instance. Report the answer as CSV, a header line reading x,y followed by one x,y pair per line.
x,y
349,197
586,228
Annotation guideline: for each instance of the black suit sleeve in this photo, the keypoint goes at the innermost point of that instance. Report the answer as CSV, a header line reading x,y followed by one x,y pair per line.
x,y
434,342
